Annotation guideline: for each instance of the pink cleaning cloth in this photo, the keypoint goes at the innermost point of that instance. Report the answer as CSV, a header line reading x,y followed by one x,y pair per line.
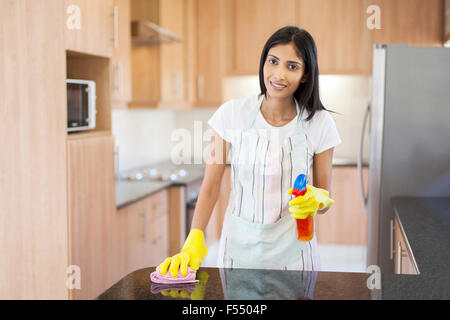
x,y
167,278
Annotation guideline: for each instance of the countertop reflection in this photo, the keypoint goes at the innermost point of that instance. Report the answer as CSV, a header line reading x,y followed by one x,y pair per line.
x,y
245,284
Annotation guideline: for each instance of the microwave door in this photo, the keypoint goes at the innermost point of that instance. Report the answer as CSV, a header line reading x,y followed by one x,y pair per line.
x,y
77,100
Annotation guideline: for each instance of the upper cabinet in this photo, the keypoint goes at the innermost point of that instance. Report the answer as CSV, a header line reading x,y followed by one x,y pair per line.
x,y
248,25
222,38
120,63
173,56
89,26
185,73
145,59
339,31
344,30
205,51
417,22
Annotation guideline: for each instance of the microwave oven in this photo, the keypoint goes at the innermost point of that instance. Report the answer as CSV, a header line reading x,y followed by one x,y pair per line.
x,y
81,109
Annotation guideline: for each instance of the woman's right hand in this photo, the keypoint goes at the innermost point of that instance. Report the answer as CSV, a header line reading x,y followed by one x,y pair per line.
x,y
193,252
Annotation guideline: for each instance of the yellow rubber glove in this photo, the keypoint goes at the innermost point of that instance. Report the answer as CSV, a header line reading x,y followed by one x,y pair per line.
x,y
192,254
307,205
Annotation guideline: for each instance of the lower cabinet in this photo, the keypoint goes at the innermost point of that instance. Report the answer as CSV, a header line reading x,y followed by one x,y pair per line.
x,y
403,258
106,244
141,236
345,222
91,199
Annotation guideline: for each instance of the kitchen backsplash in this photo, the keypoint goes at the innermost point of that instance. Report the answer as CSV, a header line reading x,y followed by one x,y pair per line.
x,y
144,136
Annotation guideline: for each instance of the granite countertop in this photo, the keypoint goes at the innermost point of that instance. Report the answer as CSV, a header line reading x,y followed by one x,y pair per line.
x,y
244,284
426,222
128,192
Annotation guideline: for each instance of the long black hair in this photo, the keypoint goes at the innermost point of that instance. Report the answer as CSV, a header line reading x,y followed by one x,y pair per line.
x,y
307,93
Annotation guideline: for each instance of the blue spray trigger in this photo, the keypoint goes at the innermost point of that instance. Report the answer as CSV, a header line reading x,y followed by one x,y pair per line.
x,y
300,182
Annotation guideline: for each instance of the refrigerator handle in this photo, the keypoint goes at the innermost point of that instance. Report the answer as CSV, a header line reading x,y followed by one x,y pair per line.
x,y
360,156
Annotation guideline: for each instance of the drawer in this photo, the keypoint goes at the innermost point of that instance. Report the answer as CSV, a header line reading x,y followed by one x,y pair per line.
x,y
159,204
157,246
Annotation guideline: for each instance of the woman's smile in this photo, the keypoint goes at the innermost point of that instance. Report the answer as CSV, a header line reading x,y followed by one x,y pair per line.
x,y
277,86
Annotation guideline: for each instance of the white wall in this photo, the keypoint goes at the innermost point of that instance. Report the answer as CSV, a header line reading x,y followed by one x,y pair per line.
x,y
143,136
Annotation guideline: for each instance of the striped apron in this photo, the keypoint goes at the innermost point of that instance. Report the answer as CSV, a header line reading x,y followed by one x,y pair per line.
x,y
258,230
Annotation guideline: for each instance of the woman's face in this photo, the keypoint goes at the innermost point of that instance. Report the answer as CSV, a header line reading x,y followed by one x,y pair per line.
x,y
283,70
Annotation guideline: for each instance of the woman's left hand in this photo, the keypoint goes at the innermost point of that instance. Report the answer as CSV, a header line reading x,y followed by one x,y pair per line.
x,y
307,205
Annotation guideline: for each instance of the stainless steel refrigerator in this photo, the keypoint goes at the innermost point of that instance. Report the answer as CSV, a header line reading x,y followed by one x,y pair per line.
x,y
408,127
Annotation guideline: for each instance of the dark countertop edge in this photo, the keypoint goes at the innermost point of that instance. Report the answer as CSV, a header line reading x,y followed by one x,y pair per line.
x,y
143,196
157,189
349,164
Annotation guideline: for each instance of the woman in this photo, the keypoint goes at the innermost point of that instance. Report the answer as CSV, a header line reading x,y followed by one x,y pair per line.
x,y
272,138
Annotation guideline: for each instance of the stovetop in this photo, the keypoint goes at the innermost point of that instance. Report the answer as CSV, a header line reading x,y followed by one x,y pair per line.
x,y
165,171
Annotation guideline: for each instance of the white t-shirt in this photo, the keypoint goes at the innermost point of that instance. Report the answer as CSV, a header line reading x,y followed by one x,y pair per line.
x,y
232,116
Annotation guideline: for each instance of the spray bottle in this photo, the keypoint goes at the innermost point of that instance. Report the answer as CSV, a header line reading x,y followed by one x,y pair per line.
x,y
305,227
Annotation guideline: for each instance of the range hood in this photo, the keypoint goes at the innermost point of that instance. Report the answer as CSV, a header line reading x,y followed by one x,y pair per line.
x,y
147,33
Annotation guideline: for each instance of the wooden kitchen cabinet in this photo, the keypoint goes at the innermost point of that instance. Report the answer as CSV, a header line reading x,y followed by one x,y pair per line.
x,y
89,26
339,31
141,234
345,222
173,57
33,216
91,200
145,60
339,27
205,52
121,59
403,257
248,25
157,243
417,22
344,40
158,70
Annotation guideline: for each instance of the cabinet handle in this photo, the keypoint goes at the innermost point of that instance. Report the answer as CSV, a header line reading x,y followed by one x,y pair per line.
x,y
201,86
392,240
158,205
399,258
157,240
116,27
119,76
114,75
144,231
